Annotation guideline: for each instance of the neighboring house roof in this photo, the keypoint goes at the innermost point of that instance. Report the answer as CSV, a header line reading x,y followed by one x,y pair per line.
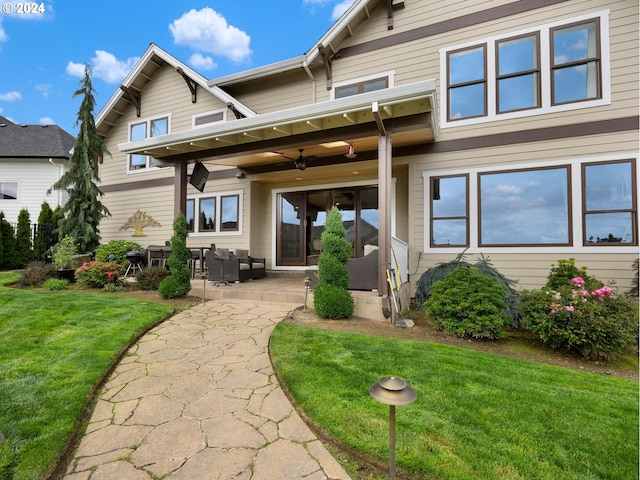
x,y
34,141
153,59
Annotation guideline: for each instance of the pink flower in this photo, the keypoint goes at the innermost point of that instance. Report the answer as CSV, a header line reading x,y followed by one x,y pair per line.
x,y
577,281
569,308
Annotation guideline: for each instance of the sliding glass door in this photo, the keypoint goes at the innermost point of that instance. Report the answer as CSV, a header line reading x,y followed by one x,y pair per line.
x,y
301,217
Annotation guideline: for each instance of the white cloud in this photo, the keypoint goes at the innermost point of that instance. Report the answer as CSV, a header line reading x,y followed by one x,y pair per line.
x,y
3,34
504,189
44,89
46,121
201,62
75,69
105,66
340,8
208,31
10,96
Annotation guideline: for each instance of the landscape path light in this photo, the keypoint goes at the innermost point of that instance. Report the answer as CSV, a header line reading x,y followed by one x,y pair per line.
x,y
392,391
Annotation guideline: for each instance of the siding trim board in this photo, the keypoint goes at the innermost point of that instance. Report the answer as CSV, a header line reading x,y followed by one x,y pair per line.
x,y
495,13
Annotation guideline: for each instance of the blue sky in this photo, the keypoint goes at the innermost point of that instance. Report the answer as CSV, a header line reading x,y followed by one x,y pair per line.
x,y
43,53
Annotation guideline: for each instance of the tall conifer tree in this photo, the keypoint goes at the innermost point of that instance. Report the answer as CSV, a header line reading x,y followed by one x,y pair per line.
x,y
83,210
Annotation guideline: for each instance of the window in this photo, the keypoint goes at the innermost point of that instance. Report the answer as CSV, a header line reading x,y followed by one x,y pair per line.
x,y
518,73
220,213
369,83
575,62
207,215
362,87
8,190
449,211
190,215
555,67
573,205
525,207
467,81
209,117
609,196
229,213
141,131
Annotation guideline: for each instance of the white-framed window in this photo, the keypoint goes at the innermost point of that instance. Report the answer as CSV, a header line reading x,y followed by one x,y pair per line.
x,y
8,190
141,130
368,83
207,118
558,66
571,205
219,213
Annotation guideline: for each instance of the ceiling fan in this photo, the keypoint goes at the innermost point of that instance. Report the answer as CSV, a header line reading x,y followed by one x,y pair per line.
x,y
301,162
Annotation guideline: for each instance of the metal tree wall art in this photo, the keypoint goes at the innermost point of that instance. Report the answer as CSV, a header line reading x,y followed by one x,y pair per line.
x,y
138,221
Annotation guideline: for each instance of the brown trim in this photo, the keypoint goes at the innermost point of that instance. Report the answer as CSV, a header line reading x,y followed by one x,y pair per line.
x,y
536,71
123,187
495,13
526,136
466,216
468,83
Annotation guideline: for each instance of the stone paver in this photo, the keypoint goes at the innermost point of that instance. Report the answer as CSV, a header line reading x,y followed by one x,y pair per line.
x,y
197,399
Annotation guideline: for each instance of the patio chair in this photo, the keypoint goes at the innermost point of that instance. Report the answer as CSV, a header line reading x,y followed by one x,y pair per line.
x,y
222,267
257,265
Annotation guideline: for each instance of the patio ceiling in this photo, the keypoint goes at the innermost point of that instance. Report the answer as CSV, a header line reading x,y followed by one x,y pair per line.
x,y
268,142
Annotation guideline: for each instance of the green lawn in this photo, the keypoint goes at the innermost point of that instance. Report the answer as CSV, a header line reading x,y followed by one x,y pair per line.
x,y
54,349
477,416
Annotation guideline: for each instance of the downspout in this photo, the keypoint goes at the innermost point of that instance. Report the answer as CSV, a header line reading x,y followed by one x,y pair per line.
x,y
60,173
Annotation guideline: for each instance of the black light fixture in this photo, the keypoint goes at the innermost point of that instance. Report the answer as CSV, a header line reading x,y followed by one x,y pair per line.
x,y
199,176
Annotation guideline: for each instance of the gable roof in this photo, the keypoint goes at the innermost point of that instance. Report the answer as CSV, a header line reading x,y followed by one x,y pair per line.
x,y
34,141
152,60
342,29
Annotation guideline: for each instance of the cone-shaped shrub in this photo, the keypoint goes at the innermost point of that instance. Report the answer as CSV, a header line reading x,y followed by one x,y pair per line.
x,y
331,299
178,284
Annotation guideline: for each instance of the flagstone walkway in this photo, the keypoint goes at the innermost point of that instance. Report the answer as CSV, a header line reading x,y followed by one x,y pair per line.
x,y
197,399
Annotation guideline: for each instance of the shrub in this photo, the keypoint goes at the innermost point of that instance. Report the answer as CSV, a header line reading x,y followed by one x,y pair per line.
x,y
63,252
96,274
116,251
151,277
482,266
36,273
468,304
24,251
633,292
596,323
178,284
56,284
333,301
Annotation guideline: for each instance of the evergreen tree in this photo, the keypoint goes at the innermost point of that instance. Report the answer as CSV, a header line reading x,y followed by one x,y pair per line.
x,y
83,210
24,253
331,297
178,284
1,240
44,232
8,242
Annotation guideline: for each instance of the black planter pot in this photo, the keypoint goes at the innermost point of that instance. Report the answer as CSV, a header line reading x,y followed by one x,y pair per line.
x,y
68,274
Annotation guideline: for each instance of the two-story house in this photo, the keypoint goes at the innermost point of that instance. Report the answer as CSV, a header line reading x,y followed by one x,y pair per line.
x,y
507,128
32,159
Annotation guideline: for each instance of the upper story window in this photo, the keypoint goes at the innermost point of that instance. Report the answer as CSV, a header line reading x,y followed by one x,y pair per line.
x,y
141,131
575,62
555,67
8,190
207,118
366,84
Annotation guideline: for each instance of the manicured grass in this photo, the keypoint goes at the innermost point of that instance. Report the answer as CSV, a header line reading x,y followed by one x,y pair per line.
x,y
54,349
477,416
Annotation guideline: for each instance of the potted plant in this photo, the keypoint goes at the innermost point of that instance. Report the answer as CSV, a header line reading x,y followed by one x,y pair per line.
x,y
63,253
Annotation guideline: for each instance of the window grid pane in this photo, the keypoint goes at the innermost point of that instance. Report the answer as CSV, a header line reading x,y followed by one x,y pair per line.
x,y
207,215
229,213
467,83
449,211
575,63
518,74
609,196
525,207
8,190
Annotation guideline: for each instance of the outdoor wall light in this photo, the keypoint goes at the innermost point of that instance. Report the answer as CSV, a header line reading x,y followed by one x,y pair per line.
x,y
392,391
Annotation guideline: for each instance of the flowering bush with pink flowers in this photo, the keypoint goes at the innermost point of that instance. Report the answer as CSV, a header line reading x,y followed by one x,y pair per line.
x,y
581,315
96,274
